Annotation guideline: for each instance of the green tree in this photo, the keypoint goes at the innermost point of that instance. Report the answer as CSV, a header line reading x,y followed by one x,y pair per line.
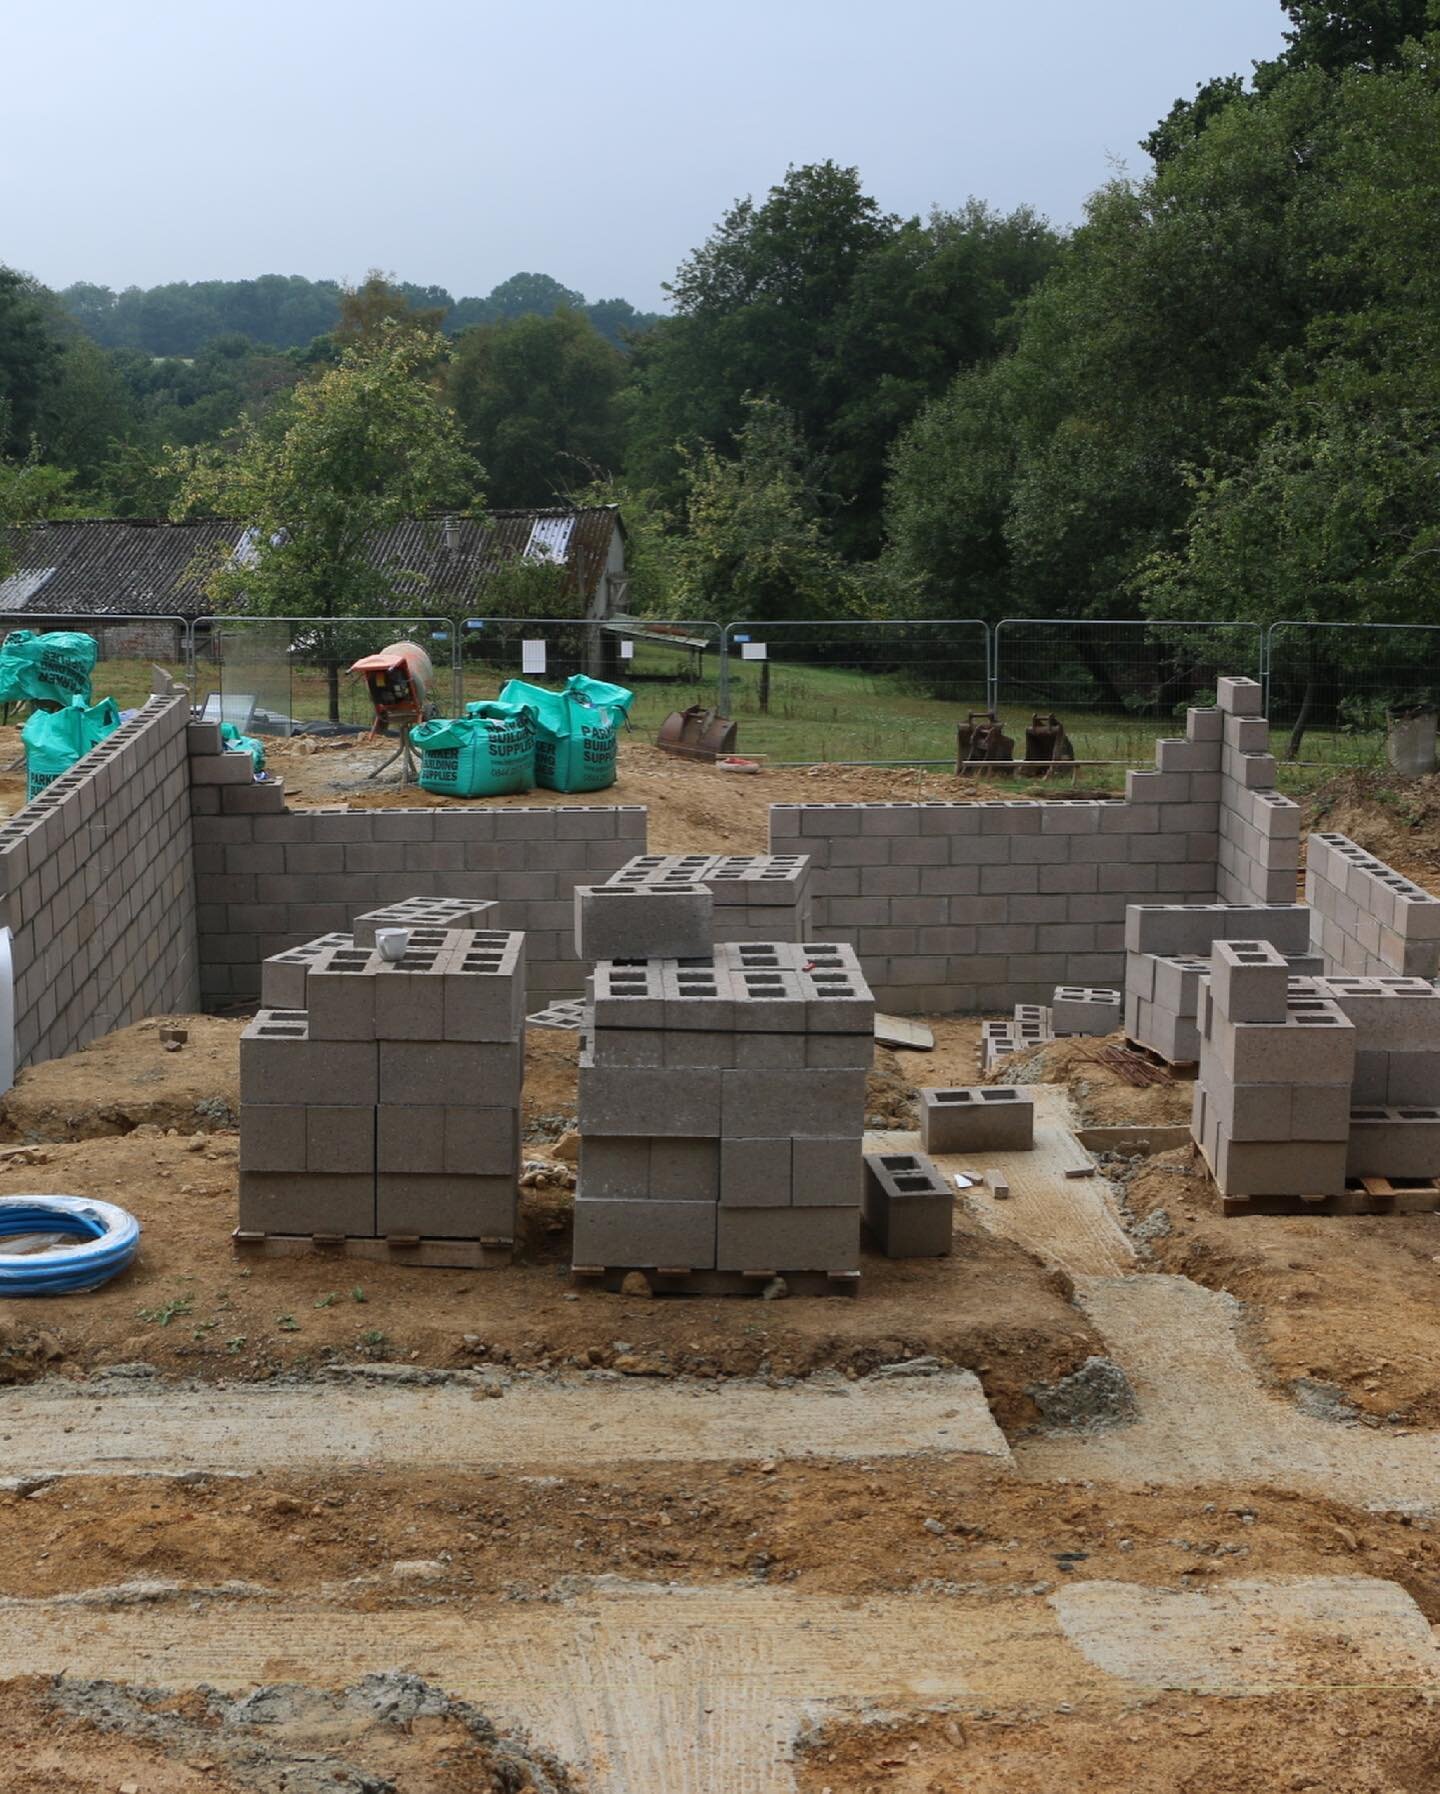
x,y
29,353
755,545
538,399
355,450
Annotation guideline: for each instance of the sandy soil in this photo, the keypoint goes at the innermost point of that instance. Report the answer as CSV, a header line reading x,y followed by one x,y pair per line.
x,y
742,1624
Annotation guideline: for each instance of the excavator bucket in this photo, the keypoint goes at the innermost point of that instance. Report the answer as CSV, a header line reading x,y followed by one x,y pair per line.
x,y
697,734
1047,746
982,746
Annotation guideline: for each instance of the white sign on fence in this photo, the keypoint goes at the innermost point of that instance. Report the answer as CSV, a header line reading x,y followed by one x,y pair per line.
x,y
752,651
532,657
627,650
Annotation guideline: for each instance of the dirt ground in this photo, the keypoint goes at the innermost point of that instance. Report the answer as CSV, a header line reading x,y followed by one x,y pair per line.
x,y
1336,1317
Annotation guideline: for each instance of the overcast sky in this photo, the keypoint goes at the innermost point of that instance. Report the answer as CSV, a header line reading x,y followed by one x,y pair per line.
x,y
459,141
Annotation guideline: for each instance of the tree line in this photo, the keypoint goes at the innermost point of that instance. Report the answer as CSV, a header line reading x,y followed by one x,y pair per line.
x,y
1218,397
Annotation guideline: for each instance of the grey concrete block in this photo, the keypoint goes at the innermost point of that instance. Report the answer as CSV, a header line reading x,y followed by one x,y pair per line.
x,y
1314,1046
485,985
340,1138
755,1173
272,1138
909,1206
614,1047
615,1168
203,738
684,1170
787,1239
279,1063
645,1235
1279,1168
826,1171
415,1204
960,1120
467,1140
1081,1010
679,1101
340,995
767,1104
1250,981
287,1203
643,921
1394,1142
421,912
1239,697
450,1073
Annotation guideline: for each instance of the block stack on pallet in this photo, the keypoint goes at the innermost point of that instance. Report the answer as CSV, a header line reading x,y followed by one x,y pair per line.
x,y
757,897
1272,1103
1370,921
1167,952
384,1104
722,1104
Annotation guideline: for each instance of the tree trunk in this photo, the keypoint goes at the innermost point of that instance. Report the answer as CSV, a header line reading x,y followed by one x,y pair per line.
x,y
332,686
1302,719
1095,660
764,688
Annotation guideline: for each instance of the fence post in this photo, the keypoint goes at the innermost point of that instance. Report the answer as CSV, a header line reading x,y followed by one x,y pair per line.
x,y
457,671
992,665
723,681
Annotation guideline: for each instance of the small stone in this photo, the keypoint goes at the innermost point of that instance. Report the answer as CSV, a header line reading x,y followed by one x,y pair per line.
x,y
775,1290
567,1147
417,1569
937,1527
636,1284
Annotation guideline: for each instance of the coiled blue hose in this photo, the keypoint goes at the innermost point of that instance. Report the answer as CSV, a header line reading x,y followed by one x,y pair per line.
x,y
107,1239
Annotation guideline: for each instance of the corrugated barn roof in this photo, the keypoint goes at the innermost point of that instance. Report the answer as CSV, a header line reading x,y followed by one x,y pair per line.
x,y
92,568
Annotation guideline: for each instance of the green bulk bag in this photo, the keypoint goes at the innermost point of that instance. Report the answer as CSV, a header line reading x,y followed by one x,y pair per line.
x,y
577,730
247,744
55,739
485,753
46,669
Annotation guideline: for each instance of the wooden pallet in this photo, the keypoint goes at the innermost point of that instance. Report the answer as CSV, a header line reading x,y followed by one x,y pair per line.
x,y
671,1280
465,1255
1363,1196
1184,1070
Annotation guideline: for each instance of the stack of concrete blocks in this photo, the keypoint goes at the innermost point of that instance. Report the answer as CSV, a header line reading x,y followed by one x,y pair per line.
x,y
909,1206
222,779
1272,1100
388,1106
1259,827
1369,920
1167,956
429,913
1394,1117
1077,1010
722,1104
97,888
757,897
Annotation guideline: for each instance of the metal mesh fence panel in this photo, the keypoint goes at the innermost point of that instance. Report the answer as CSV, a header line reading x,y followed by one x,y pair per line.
x,y
668,664
1341,691
881,691
288,675
1116,686
130,648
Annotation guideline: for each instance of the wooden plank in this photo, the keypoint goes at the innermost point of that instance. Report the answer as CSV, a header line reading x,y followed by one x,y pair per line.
x,y
897,1031
464,1255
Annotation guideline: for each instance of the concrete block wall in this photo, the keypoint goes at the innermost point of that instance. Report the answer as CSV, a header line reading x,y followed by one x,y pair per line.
x,y
97,884
1259,854
269,882
976,906
1368,919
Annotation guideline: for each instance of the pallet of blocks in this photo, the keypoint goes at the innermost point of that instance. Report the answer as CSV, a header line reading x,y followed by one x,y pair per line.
x,y
722,1108
380,1099
1272,1102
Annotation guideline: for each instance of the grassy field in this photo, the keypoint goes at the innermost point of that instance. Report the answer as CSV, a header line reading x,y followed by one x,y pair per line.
x,y
814,713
